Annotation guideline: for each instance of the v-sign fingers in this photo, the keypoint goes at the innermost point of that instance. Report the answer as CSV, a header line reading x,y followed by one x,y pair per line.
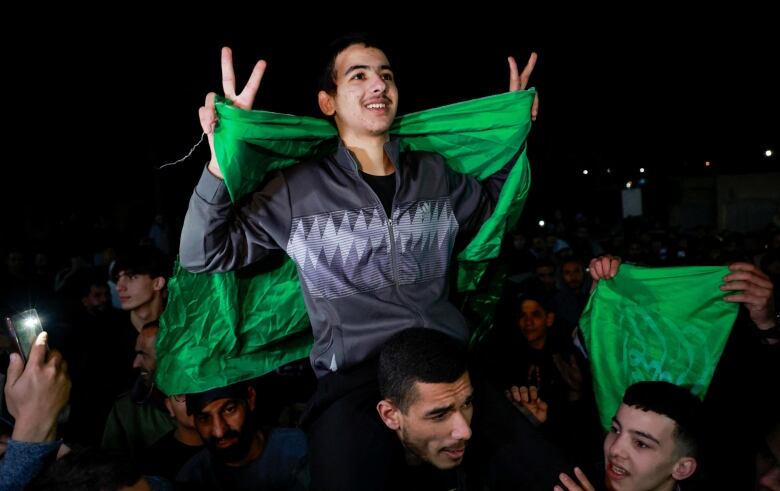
x,y
247,96
228,75
529,68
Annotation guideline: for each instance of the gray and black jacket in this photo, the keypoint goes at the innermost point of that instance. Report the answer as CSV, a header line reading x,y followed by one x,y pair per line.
x,y
360,286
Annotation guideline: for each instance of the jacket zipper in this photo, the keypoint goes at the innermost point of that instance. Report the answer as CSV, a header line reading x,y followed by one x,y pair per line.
x,y
392,244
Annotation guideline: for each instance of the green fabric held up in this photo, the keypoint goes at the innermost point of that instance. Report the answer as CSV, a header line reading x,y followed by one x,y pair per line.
x,y
223,328
668,324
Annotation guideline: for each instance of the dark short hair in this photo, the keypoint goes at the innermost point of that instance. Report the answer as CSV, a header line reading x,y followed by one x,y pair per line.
x,y
676,403
418,355
533,294
327,79
573,259
196,402
143,260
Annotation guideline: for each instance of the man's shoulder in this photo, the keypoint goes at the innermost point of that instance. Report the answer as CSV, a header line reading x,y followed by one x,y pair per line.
x,y
196,467
287,443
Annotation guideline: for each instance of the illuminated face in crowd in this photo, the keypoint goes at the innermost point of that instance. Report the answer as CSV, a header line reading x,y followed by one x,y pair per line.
x,y
641,452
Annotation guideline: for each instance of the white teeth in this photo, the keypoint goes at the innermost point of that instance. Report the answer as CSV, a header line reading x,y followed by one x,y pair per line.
x,y
618,470
376,106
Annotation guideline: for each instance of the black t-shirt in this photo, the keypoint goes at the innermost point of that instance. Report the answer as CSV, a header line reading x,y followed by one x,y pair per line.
x,y
384,187
167,456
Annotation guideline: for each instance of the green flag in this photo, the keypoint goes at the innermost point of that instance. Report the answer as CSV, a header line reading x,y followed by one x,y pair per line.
x,y
223,328
668,324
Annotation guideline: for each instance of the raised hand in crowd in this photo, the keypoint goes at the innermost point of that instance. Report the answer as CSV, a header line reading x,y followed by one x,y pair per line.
x,y
37,392
603,268
244,100
572,485
526,399
752,288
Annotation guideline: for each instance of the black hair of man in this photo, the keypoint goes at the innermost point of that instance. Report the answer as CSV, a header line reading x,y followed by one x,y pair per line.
x,y
143,260
534,294
676,403
327,79
572,259
418,355
196,402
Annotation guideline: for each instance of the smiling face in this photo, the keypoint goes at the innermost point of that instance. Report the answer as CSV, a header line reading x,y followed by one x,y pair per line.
x,y
641,453
436,425
366,98
145,360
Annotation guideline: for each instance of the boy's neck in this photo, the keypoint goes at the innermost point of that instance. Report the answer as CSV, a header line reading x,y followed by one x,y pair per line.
x,y
370,154
145,313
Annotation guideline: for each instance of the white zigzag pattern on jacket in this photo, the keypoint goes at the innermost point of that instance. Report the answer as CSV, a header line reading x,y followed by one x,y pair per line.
x,y
324,236
340,253
431,226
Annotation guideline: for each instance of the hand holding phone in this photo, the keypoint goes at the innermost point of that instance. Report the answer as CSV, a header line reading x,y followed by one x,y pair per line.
x,y
24,328
37,392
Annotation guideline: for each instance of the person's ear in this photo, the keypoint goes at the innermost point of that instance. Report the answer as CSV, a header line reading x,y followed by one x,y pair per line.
x,y
325,101
550,319
169,407
159,283
684,468
390,414
251,397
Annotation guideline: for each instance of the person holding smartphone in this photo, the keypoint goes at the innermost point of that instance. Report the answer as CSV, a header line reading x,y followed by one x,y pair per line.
x,y
35,392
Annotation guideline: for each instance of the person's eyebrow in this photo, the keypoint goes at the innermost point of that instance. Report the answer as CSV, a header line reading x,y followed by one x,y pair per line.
x,y
438,411
365,67
645,435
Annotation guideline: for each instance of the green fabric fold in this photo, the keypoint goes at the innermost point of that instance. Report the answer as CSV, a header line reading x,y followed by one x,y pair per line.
x,y
223,328
668,324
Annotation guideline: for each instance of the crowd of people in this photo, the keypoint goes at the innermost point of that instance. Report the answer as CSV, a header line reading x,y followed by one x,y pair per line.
x,y
401,391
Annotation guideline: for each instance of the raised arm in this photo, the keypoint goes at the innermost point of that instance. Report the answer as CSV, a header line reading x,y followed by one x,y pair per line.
x,y
519,81
244,100
474,200
216,236
748,285
603,268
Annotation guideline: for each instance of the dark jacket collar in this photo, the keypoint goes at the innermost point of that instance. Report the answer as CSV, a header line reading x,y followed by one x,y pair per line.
x,y
345,158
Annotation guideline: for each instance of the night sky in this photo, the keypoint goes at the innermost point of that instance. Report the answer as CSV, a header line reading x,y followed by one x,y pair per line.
x,y
96,107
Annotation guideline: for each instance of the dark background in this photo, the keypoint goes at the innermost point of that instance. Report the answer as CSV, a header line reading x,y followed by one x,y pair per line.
x,y
95,107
